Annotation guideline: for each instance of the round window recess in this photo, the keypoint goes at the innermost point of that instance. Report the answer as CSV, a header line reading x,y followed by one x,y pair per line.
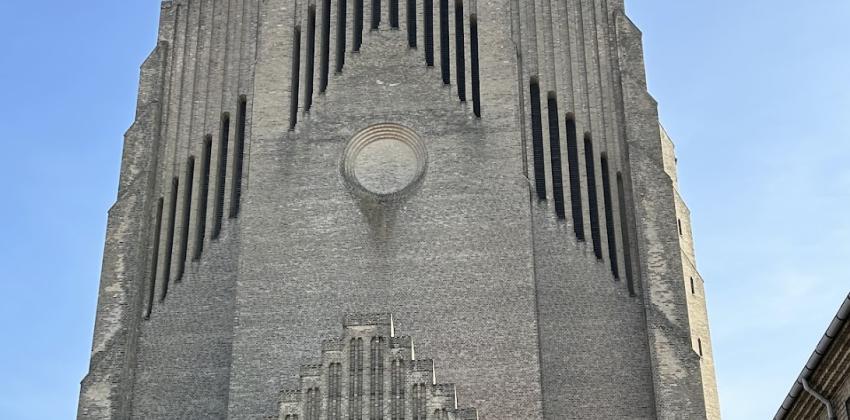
x,y
384,161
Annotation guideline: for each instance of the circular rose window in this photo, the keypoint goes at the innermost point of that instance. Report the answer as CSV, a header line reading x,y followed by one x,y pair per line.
x,y
384,161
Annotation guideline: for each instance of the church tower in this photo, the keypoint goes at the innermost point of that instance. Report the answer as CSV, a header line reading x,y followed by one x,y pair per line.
x,y
398,209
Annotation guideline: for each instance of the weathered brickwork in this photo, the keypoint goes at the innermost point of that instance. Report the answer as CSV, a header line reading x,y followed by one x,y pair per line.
x,y
491,172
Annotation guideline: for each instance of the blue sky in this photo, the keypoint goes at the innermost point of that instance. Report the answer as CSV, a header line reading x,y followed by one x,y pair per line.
x,y
754,92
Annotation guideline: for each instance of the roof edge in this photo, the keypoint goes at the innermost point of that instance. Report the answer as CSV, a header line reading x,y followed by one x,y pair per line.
x,y
815,360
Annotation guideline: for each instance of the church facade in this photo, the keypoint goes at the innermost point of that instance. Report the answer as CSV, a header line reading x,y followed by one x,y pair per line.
x,y
398,209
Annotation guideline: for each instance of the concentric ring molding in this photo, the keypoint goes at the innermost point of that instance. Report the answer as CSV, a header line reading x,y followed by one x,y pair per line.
x,y
383,132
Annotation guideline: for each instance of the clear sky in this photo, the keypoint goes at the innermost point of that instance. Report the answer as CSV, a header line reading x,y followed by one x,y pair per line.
x,y
756,94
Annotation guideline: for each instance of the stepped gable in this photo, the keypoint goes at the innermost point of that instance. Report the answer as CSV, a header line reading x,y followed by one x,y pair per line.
x,y
368,372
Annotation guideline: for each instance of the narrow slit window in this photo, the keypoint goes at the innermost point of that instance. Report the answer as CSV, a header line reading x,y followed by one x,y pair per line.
x,y
169,238
238,157
460,51
411,24
609,217
324,64
187,217
341,22
476,78
221,175
681,232
428,5
699,346
376,15
154,259
444,42
296,78
592,198
358,25
203,196
537,140
624,228
555,148
310,57
693,287
575,178
394,14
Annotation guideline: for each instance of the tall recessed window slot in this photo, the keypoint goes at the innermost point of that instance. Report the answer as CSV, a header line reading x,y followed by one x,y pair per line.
x,y
358,25
555,149
154,259
376,14
397,382
693,287
394,14
203,196
609,217
476,78
224,137
537,140
355,379
699,346
324,63
310,57
681,232
238,157
296,78
411,23
341,22
428,17
592,198
169,238
444,42
575,177
624,228
335,391
187,217
460,52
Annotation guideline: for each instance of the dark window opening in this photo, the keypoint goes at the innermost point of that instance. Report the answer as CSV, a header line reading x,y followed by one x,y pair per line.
x,y
476,78
681,232
555,149
310,68
699,346
429,32
324,64
411,23
460,51
537,141
394,14
154,259
592,199
296,78
341,21
376,14
222,174
187,217
444,42
609,218
575,177
169,238
203,193
693,287
238,157
624,228
358,25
